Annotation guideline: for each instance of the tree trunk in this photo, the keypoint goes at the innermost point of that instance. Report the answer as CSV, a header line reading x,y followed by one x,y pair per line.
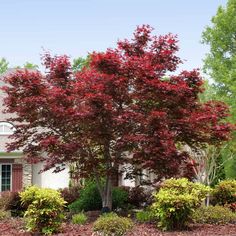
x,y
107,195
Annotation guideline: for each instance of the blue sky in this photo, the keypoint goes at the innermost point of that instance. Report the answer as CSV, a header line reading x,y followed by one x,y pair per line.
x,y
76,27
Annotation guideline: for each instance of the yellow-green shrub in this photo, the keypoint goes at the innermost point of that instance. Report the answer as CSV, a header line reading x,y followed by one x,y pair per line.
x,y
111,224
225,192
214,215
176,201
45,209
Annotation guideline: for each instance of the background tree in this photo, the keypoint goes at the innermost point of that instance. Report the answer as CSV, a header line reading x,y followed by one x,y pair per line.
x,y
80,63
28,65
3,65
220,64
125,107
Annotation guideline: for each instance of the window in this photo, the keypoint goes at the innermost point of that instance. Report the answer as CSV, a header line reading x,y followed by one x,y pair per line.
x,y
5,177
6,128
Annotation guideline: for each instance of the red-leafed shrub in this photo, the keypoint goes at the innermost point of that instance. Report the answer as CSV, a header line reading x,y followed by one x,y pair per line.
x,y
10,201
70,194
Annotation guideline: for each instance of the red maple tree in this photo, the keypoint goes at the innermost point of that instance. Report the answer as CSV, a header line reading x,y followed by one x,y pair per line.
x,y
125,107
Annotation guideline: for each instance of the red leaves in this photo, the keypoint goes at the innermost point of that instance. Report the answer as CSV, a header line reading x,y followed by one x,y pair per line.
x,y
127,100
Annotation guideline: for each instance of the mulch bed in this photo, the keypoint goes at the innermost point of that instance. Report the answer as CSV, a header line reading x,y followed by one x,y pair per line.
x,y
16,227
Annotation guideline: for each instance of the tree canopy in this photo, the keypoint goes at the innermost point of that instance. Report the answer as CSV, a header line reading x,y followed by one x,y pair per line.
x,y
220,64
126,106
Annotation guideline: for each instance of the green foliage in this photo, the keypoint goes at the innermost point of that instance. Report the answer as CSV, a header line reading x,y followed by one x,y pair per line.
x,y
45,209
220,64
214,215
89,199
111,224
145,216
225,192
119,197
175,202
3,65
29,65
4,214
79,218
80,63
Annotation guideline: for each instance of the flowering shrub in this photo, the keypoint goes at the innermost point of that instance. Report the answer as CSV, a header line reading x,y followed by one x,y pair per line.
x,y
176,201
45,209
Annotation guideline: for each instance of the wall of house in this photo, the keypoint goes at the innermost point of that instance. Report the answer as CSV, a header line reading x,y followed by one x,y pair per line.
x,y
48,179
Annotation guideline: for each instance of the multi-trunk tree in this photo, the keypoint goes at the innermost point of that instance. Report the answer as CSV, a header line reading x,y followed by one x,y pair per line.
x,y
126,106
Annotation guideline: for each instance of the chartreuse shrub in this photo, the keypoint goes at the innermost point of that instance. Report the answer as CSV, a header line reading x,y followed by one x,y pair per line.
x,y
45,209
214,215
79,218
111,224
225,192
176,201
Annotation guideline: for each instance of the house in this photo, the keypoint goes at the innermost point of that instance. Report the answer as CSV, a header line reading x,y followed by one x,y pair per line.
x,y
15,172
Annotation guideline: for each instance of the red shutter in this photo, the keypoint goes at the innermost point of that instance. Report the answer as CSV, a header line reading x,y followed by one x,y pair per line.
x,y
17,177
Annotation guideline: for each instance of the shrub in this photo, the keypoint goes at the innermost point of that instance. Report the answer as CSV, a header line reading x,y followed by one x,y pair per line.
x,y
79,218
175,202
119,198
145,216
225,192
137,196
70,194
89,199
214,215
4,215
45,209
10,201
111,224
231,206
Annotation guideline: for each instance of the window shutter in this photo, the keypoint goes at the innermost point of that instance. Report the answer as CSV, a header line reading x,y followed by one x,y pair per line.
x,y
17,177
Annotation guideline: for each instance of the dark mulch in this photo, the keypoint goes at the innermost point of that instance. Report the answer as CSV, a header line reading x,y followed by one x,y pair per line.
x,y
16,227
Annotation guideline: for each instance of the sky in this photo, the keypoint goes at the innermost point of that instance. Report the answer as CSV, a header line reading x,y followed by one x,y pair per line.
x,y
77,27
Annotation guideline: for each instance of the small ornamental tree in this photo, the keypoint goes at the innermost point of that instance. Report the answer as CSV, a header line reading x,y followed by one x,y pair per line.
x,y
126,100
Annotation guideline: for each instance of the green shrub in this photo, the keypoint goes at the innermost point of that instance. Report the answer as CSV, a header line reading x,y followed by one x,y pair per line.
x,y
45,209
111,224
145,216
175,202
79,218
89,199
225,192
4,214
119,198
214,215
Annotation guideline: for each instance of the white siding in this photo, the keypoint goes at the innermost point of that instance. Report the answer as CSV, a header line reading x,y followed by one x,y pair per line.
x,y
48,179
